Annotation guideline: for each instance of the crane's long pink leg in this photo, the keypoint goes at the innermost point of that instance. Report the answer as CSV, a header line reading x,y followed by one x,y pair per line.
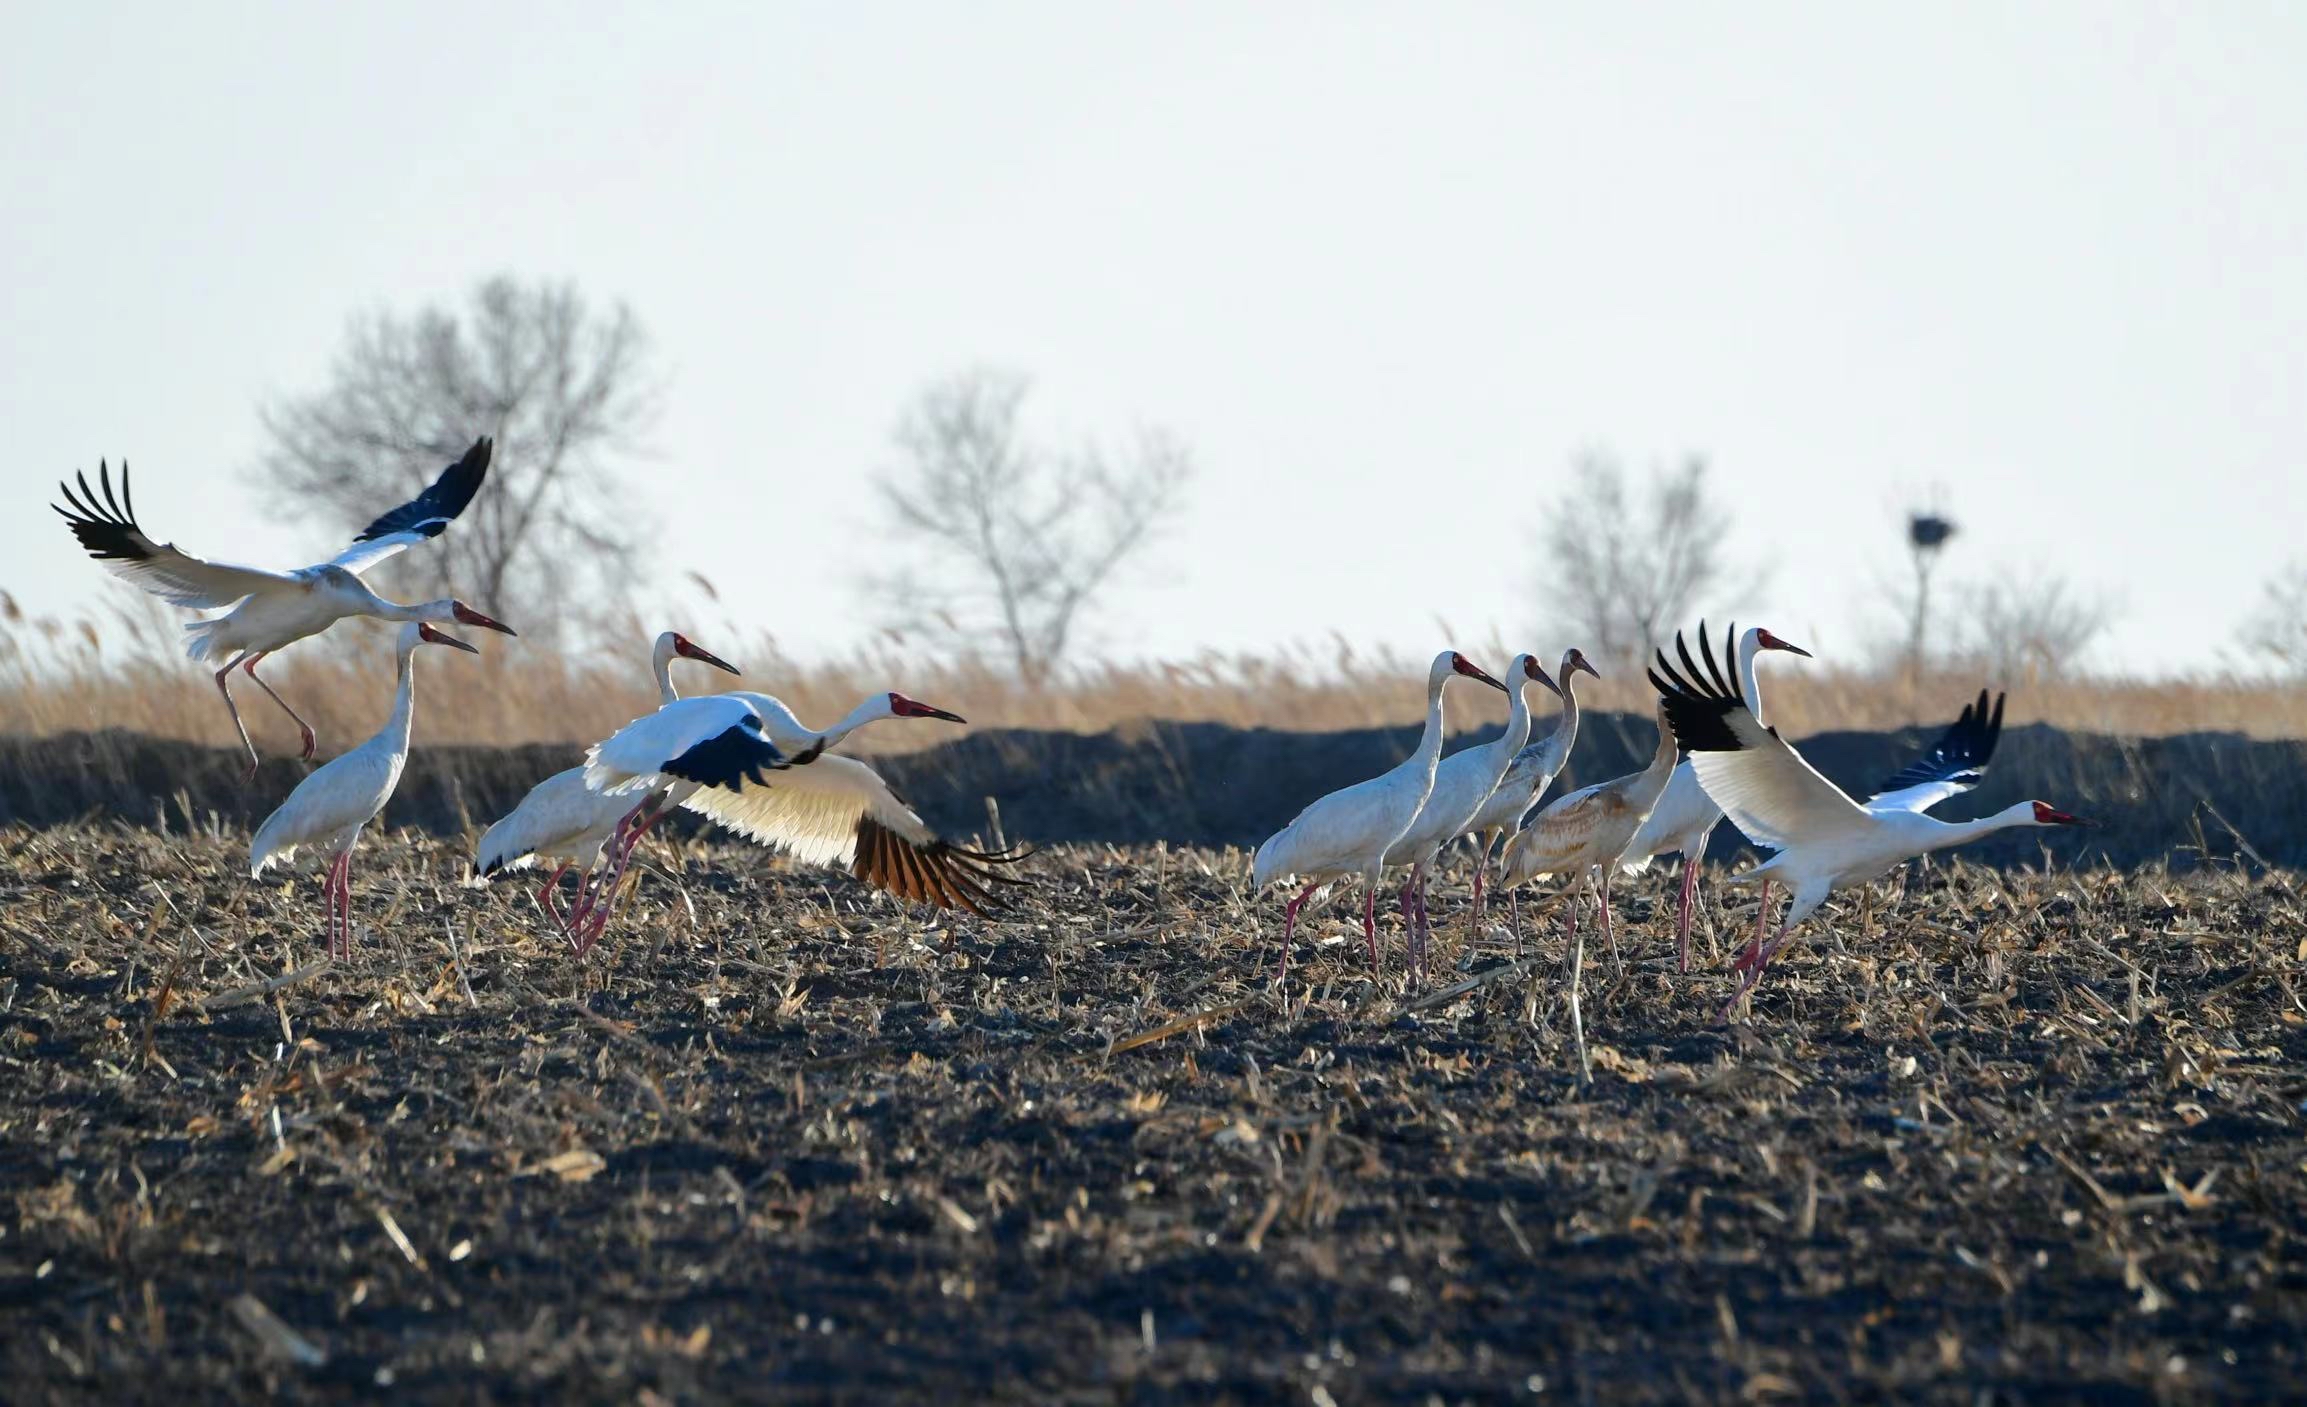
x,y
1752,978
635,825
1290,926
340,906
1370,923
1753,953
589,890
249,668
545,896
224,687
1682,913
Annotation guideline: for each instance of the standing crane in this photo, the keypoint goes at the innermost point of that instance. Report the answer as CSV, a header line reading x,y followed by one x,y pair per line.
x,y
329,807
271,610
1582,836
1530,773
1463,782
1349,831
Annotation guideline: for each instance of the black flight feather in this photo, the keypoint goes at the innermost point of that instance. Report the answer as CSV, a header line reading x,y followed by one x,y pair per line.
x,y
430,512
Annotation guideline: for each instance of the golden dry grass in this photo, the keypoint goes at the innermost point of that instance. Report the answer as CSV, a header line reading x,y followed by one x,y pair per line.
x,y
125,670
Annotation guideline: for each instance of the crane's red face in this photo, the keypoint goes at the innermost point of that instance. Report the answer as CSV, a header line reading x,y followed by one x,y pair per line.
x,y
690,650
426,633
1578,661
1769,641
2047,815
1531,670
469,616
1467,667
903,707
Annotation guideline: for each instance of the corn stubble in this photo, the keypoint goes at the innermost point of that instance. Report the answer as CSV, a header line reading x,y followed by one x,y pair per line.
x,y
2037,1133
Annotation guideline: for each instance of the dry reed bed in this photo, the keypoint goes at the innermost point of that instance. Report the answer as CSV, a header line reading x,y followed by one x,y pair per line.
x,y
126,672
2041,1135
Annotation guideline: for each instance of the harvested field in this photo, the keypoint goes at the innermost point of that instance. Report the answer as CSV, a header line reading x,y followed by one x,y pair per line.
x,y
2038,1136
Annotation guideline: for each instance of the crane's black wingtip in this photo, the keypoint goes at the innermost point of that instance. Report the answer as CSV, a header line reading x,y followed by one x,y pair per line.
x,y
729,759
430,512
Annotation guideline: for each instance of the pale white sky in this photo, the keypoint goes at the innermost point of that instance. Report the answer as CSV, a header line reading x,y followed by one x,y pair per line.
x,y
1385,268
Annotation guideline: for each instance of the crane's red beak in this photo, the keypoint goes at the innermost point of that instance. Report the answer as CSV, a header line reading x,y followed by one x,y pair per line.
x,y
426,632
469,616
1534,670
689,650
904,707
2047,815
1468,668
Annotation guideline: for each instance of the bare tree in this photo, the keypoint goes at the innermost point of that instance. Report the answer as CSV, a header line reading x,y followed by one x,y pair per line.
x,y
2030,629
1627,574
565,391
2275,633
1018,541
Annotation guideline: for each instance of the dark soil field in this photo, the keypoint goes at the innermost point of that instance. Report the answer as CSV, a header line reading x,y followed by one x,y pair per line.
x,y
2012,1137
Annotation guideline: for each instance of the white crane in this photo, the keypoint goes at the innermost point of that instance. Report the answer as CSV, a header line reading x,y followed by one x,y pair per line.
x,y
1582,836
1529,774
791,734
839,811
1824,840
270,609
1686,816
1463,783
566,822
1349,831
329,807
699,753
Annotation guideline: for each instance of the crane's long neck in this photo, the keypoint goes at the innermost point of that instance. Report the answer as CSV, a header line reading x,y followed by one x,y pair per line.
x,y
1946,833
396,728
662,662
1517,726
873,710
1429,753
1749,676
1566,727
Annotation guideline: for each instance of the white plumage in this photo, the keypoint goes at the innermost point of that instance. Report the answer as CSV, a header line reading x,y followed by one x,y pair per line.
x,y
328,808
1349,831
1825,840
1685,815
273,609
1463,782
566,823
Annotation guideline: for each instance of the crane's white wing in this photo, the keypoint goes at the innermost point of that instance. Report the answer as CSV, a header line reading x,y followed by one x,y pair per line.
x,y
107,528
361,556
1762,784
1954,764
838,811
560,817
714,740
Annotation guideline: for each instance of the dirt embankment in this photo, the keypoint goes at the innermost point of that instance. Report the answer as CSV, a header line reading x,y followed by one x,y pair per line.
x,y
1212,784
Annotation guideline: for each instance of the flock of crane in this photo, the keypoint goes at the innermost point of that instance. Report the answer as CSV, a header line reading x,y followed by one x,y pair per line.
x,y
745,761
